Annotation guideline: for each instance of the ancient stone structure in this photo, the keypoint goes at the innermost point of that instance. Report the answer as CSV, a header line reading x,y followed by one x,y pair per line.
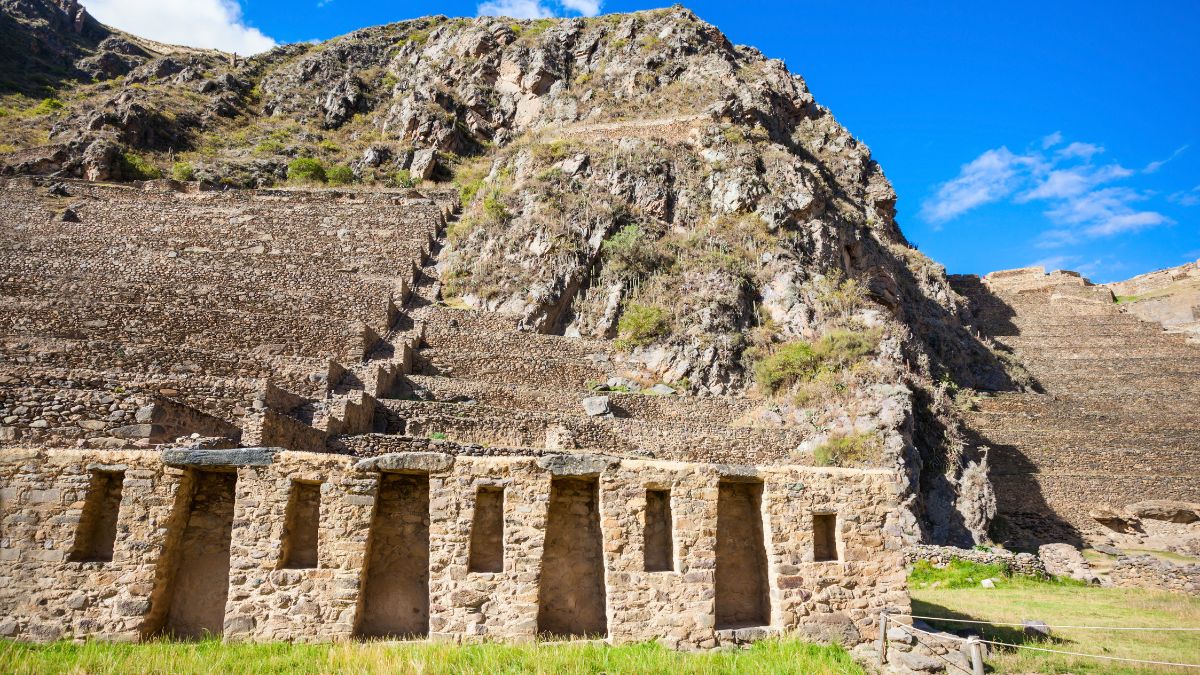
x,y
248,414
1109,431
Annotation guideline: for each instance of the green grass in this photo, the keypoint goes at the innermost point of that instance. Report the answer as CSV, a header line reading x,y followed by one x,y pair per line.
x,y
1018,598
770,656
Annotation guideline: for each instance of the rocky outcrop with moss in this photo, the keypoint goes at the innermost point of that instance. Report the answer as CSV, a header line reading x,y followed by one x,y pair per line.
x,y
634,177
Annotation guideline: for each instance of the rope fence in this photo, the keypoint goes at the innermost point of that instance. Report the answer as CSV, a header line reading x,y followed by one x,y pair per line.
x,y
976,653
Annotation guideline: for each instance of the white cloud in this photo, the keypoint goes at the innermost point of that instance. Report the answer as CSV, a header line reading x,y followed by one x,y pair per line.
x,y
584,7
538,9
1079,203
214,24
1074,181
1186,197
1158,164
990,177
1105,212
515,9
1080,150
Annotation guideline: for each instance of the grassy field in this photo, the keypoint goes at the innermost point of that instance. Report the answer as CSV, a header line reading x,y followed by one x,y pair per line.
x,y
772,656
958,595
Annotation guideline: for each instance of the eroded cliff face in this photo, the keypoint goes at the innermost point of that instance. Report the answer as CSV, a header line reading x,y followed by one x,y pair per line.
x,y
635,177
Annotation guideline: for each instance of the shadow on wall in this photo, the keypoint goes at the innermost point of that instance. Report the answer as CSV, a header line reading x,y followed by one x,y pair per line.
x,y
1024,520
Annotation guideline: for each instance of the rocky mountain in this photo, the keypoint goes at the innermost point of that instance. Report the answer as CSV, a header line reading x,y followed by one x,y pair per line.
x,y
635,177
1170,297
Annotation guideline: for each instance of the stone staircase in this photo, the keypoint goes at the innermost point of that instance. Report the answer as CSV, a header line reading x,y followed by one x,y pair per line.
x,y
460,377
1113,419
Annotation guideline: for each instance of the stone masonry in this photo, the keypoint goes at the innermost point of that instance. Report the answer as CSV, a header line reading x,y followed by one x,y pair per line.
x,y
1111,429
250,414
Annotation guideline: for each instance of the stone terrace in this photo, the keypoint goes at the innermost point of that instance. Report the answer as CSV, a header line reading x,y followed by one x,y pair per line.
x,y
1115,421
251,414
114,292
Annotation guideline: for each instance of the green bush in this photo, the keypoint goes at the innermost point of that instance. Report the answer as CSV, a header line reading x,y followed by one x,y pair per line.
x,y
340,175
630,253
306,170
136,167
48,106
640,325
493,207
182,171
403,179
800,361
848,450
468,190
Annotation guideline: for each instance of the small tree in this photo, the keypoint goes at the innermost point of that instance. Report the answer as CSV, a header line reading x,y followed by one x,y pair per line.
x,y
306,170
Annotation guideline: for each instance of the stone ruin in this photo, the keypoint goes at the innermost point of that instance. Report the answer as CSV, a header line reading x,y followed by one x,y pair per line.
x,y
247,414
1103,451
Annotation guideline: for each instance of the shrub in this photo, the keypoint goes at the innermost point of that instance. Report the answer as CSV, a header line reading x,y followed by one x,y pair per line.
x,y
629,253
546,153
182,171
797,362
493,207
306,170
640,325
48,106
340,175
468,190
136,167
403,179
847,450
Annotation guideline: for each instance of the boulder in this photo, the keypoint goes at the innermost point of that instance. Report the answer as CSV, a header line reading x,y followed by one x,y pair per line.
x,y
423,164
596,406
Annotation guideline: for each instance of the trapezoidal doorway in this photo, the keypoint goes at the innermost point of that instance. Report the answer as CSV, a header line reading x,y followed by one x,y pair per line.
x,y
741,575
571,599
395,595
200,583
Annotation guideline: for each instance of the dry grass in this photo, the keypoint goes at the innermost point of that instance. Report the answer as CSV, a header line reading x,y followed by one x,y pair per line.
x,y
1017,599
772,656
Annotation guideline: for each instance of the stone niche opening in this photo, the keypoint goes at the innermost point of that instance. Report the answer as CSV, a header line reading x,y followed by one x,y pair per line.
x,y
395,594
197,585
742,595
487,531
301,526
571,600
96,533
825,537
659,556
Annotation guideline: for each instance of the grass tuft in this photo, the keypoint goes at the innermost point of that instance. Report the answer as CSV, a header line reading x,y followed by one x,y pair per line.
x,y
207,656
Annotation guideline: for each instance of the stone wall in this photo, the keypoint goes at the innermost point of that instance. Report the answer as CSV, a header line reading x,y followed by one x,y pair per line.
x,y
939,556
1147,571
44,595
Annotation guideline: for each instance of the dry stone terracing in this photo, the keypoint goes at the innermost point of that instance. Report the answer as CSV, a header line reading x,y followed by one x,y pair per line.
x,y
250,414
1107,449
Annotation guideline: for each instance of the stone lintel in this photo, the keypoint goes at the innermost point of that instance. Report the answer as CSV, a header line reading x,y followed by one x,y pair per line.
x,y
220,457
577,464
107,468
424,462
738,471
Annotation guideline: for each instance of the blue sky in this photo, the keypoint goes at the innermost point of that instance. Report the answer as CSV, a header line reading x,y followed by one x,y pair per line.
x,y
1064,133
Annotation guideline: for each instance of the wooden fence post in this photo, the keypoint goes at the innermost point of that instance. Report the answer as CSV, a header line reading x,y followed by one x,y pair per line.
x,y
883,641
976,649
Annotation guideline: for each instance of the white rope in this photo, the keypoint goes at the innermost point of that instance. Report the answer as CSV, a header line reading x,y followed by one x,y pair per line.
x,y
1095,656
1003,623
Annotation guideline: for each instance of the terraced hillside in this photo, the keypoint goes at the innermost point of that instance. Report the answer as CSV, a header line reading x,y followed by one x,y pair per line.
x,y
1113,423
